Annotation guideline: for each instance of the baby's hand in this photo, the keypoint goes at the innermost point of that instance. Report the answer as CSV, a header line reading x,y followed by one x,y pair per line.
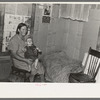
x,y
38,49
29,68
34,65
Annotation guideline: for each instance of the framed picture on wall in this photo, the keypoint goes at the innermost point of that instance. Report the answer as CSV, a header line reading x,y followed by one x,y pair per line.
x,y
46,19
47,12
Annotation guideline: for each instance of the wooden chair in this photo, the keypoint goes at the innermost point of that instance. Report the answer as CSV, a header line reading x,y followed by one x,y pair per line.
x,y
19,72
91,63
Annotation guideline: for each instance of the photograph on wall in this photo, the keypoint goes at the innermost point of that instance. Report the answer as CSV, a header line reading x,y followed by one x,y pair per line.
x,y
47,13
46,19
47,10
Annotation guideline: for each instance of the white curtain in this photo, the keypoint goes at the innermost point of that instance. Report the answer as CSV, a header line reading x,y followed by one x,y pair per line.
x,y
75,11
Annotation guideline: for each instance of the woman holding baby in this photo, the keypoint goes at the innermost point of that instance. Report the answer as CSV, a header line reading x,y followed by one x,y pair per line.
x,y
17,46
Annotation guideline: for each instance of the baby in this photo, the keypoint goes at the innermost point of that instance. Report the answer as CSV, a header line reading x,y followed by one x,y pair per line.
x,y
31,52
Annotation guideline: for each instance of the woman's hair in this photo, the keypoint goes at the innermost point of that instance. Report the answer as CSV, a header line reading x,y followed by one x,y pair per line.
x,y
19,27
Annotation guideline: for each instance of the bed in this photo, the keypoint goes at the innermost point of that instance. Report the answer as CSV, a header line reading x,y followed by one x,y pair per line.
x,y
58,66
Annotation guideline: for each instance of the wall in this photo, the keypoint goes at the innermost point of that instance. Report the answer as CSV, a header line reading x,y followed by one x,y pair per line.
x,y
59,34
19,9
40,30
90,32
74,39
49,36
81,35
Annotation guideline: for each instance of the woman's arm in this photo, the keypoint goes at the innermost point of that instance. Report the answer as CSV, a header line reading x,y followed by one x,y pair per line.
x,y
14,47
16,56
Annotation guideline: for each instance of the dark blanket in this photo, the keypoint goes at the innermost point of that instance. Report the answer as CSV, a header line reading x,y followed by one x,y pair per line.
x,y
58,66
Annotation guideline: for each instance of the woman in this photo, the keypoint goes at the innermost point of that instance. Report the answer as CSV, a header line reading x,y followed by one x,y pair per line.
x,y
16,46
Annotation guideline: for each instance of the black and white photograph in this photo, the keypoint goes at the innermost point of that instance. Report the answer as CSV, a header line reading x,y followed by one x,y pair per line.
x,y
47,9
49,42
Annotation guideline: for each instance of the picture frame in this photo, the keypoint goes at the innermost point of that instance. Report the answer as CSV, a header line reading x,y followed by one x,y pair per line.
x,y
47,13
47,9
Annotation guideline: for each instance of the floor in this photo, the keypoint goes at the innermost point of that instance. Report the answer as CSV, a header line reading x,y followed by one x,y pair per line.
x,y
18,79
5,70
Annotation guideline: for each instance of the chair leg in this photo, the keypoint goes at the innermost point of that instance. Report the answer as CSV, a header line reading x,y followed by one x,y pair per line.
x,y
42,78
27,77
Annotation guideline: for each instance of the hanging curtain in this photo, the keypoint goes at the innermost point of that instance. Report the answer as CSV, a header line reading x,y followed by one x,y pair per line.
x,y
75,11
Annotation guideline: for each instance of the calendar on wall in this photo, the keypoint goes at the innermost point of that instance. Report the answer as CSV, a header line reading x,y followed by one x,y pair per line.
x,y
10,24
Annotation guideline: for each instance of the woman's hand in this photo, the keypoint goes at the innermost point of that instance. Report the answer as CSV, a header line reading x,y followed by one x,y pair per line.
x,y
24,49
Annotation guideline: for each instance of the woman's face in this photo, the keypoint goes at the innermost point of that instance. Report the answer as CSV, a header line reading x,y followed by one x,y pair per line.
x,y
23,30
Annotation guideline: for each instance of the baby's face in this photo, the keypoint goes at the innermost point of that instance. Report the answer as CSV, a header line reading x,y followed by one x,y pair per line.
x,y
29,42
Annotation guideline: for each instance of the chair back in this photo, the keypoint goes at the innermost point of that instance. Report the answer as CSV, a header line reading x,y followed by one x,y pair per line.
x,y
92,63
